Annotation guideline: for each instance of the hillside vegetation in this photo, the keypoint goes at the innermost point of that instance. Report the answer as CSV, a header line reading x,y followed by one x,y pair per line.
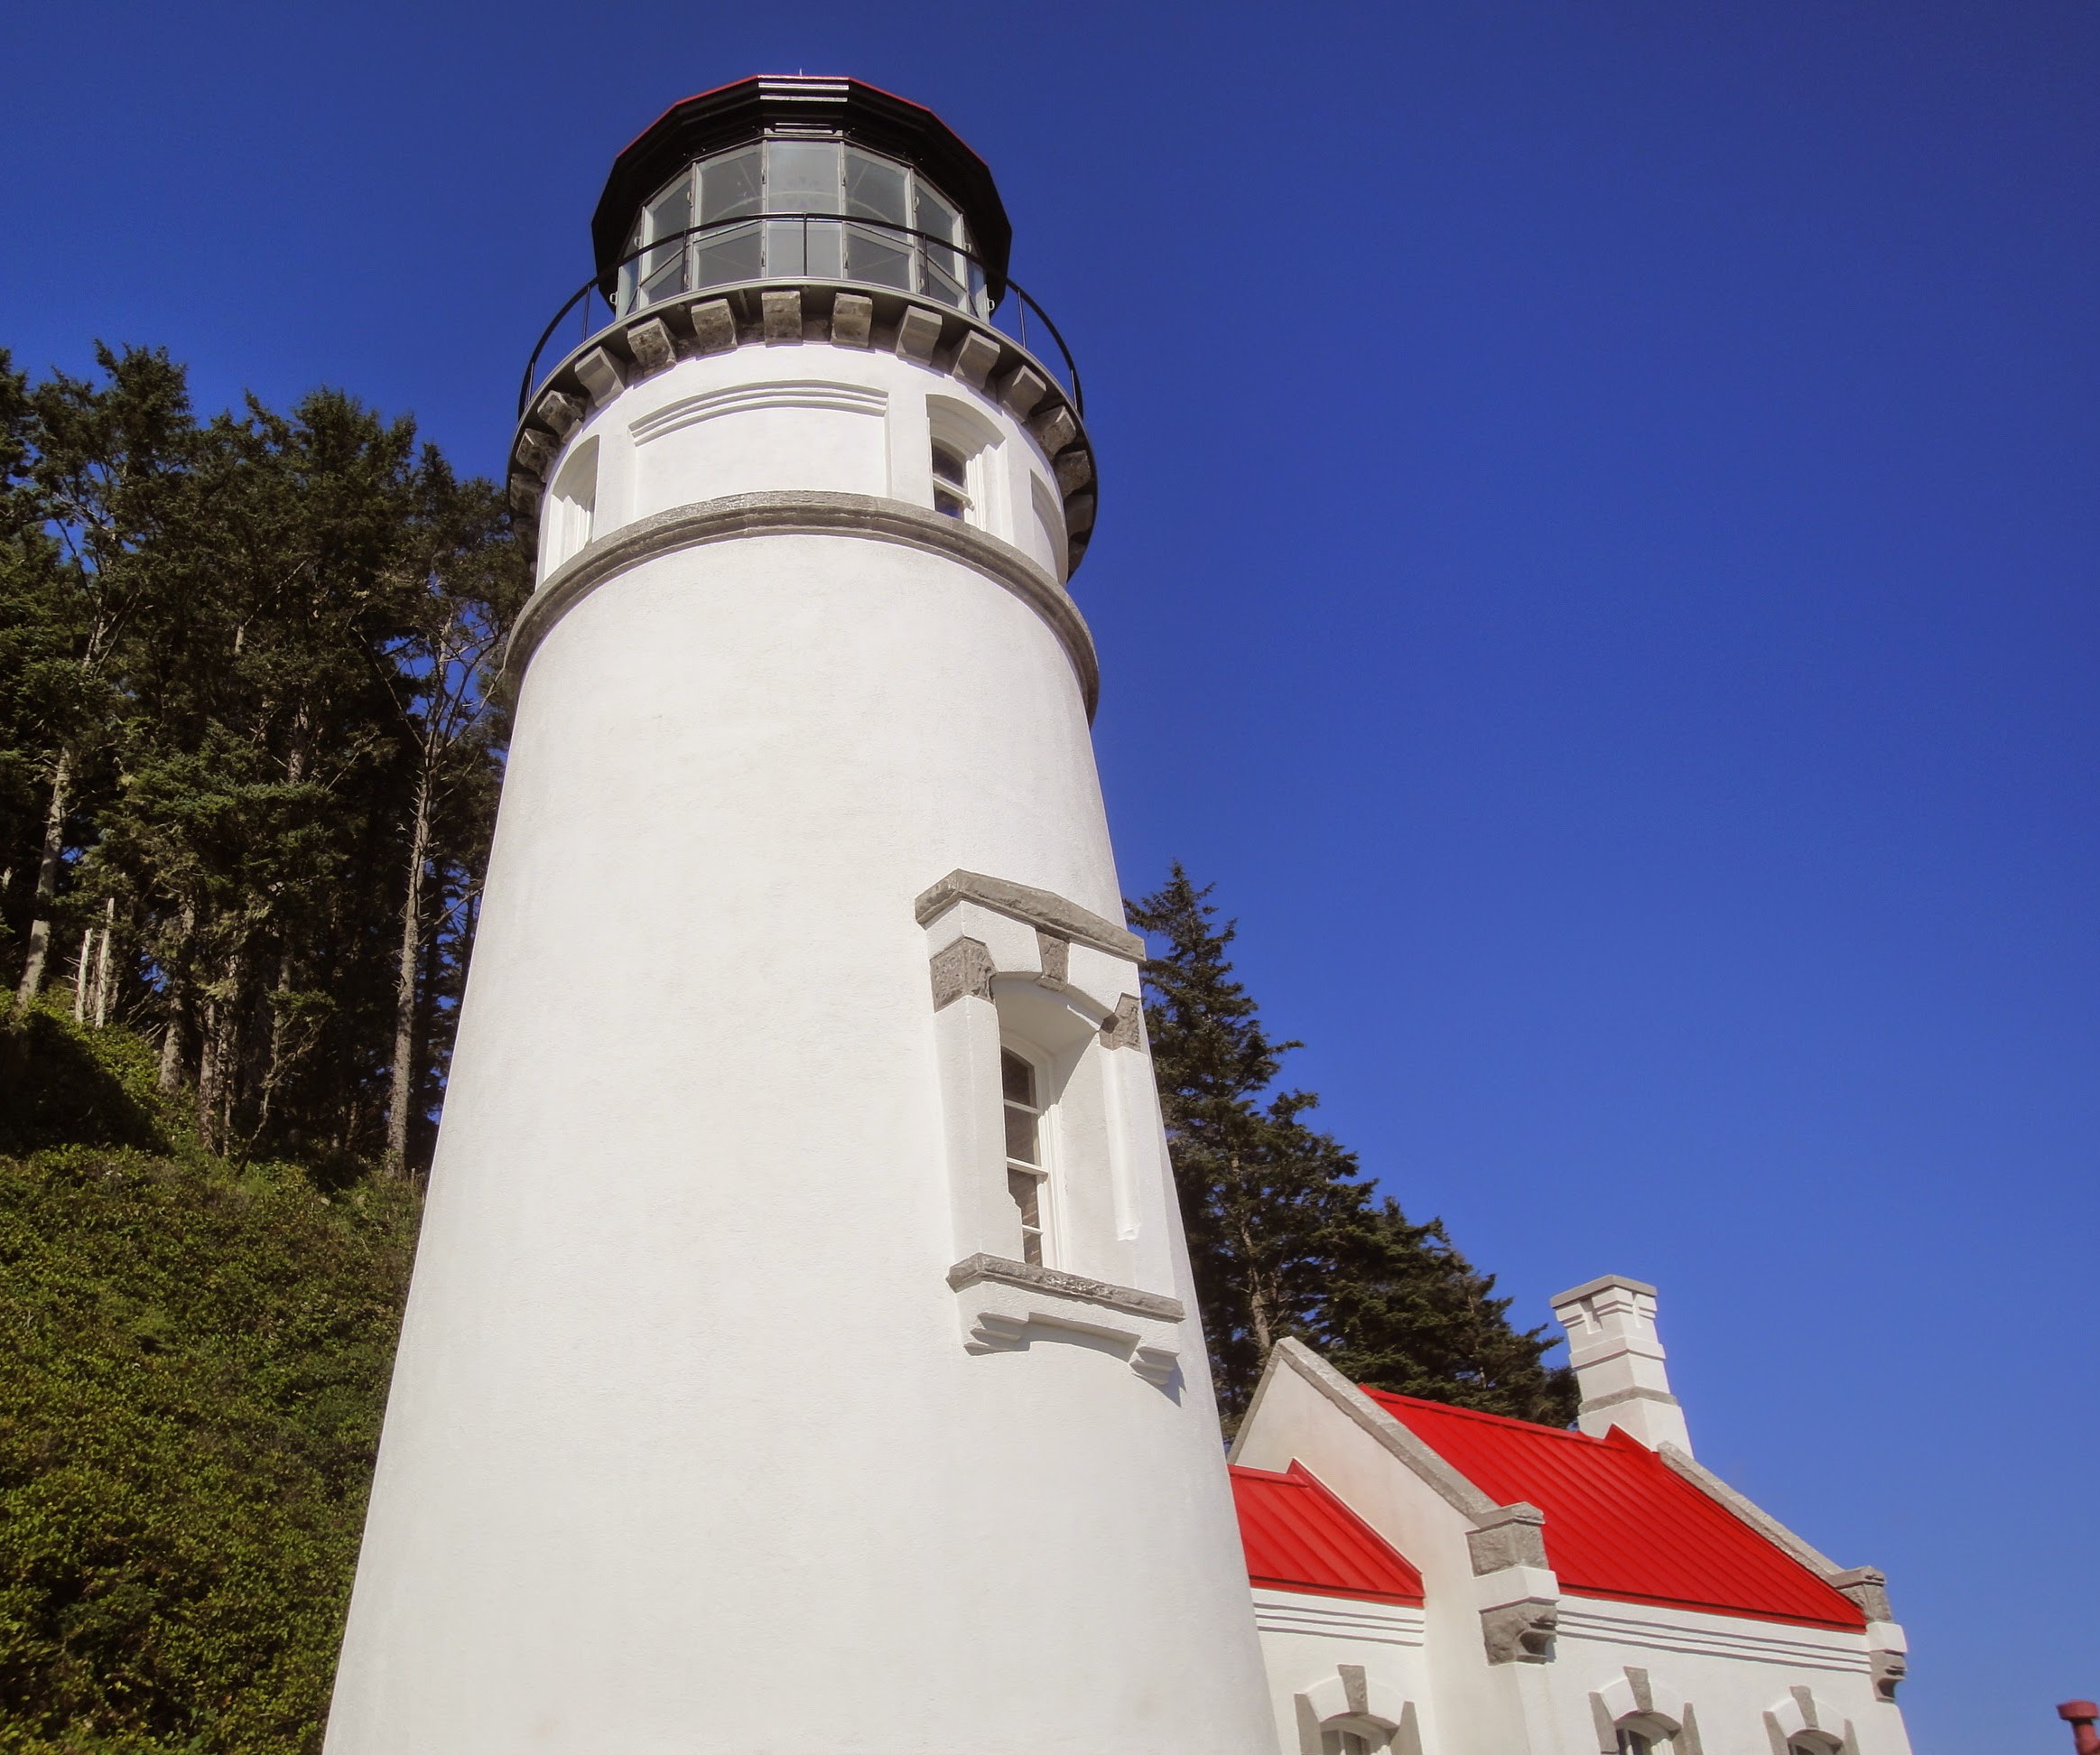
x,y
196,1363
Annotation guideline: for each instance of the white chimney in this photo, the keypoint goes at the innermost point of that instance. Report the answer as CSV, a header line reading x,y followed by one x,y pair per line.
x,y
1619,1362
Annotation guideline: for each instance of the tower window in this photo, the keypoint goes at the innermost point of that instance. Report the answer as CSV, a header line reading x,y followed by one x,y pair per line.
x,y
952,498
1027,1171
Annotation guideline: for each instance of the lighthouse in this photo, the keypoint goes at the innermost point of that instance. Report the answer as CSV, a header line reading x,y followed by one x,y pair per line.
x,y
801,1352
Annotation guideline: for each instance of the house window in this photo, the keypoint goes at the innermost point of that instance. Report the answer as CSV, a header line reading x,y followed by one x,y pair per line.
x,y
1028,1165
952,497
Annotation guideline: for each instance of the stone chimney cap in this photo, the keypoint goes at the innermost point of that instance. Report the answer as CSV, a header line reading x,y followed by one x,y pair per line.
x,y
1608,1282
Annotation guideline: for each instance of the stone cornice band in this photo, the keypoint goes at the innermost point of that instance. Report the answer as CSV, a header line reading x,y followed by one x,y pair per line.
x,y
796,515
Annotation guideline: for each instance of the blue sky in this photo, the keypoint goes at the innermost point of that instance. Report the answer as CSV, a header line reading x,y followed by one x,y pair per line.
x,y
1597,562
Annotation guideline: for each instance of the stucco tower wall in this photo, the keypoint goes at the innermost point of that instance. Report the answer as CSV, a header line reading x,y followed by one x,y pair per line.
x,y
685,1451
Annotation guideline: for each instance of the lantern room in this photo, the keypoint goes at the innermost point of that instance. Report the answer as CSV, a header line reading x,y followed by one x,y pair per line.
x,y
801,179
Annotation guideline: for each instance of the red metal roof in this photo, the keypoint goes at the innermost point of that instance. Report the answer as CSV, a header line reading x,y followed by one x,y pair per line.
x,y
1299,1537
1621,1522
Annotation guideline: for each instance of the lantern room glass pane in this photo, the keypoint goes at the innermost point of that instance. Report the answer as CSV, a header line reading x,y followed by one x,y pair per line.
x,y
729,188
663,269
878,188
801,176
943,268
728,185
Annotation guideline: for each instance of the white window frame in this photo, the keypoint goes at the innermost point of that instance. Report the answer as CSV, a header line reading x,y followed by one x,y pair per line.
x,y
954,426
1044,1171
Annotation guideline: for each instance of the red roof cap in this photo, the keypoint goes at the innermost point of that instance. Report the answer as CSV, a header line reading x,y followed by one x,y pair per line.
x,y
1299,1537
1622,1523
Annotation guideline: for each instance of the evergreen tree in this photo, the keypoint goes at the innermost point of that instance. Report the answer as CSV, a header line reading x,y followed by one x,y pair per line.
x,y
1283,1235
248,756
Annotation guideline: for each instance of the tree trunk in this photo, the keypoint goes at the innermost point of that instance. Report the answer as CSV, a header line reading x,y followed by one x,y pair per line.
x,y
47,882
102,975
402,1100
176,960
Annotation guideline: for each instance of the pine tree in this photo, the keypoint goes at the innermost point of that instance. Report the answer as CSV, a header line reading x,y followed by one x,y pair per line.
x,y
1283,1235
248,756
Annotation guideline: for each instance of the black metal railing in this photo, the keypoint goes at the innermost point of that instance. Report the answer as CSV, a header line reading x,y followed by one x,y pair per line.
x,y
1018,310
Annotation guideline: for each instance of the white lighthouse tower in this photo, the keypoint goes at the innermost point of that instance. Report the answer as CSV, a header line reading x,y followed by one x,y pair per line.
x,y
801,1353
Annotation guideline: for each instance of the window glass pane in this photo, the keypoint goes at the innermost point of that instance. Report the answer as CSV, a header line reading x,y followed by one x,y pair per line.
x,y
728,185
876,188
883,259
943,268
727,256
803,246
1020,1135
948,465
1027,1198
663,271
1017,1077
801,176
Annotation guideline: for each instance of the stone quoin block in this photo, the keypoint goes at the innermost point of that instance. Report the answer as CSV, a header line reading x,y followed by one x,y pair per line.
x,y
783,315
535,450
1053,428
602,376
975,358
559,411
852,319
652,345
1021,389
714,326
918,335
1074,469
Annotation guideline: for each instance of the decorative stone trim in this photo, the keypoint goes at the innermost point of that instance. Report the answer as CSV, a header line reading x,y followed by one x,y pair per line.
x,y
1511,1535
1125,1029
975,358
714,326
1048,913
961,971
929,334
650,343
976,1267
1005,1305
1055,954
1521,1632
803,514
853,320
601,376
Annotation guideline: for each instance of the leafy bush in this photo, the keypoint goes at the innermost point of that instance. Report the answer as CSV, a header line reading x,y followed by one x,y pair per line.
x,y
197,1365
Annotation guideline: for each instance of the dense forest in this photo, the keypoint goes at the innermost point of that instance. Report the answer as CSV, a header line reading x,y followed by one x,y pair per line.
x,y
249,753
247,757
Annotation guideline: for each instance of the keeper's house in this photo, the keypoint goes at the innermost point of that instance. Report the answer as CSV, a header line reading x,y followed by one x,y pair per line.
x,y
1430,1581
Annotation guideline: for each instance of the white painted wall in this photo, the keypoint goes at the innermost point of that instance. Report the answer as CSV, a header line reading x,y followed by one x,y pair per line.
x,y
684,1451
844,419
1306,1642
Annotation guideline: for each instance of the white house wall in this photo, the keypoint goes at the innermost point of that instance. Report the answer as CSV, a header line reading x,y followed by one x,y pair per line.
x,y
1751,1684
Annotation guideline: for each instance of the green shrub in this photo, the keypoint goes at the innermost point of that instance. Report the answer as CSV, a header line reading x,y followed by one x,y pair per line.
x,y
195,1365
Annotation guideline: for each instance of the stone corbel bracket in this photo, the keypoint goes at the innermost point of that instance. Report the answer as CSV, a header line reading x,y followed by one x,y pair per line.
x,y
985,928
772,314
1002,1301
1515,1589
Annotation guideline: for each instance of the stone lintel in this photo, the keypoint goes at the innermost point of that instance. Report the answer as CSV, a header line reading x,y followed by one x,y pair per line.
x,y
1043,909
